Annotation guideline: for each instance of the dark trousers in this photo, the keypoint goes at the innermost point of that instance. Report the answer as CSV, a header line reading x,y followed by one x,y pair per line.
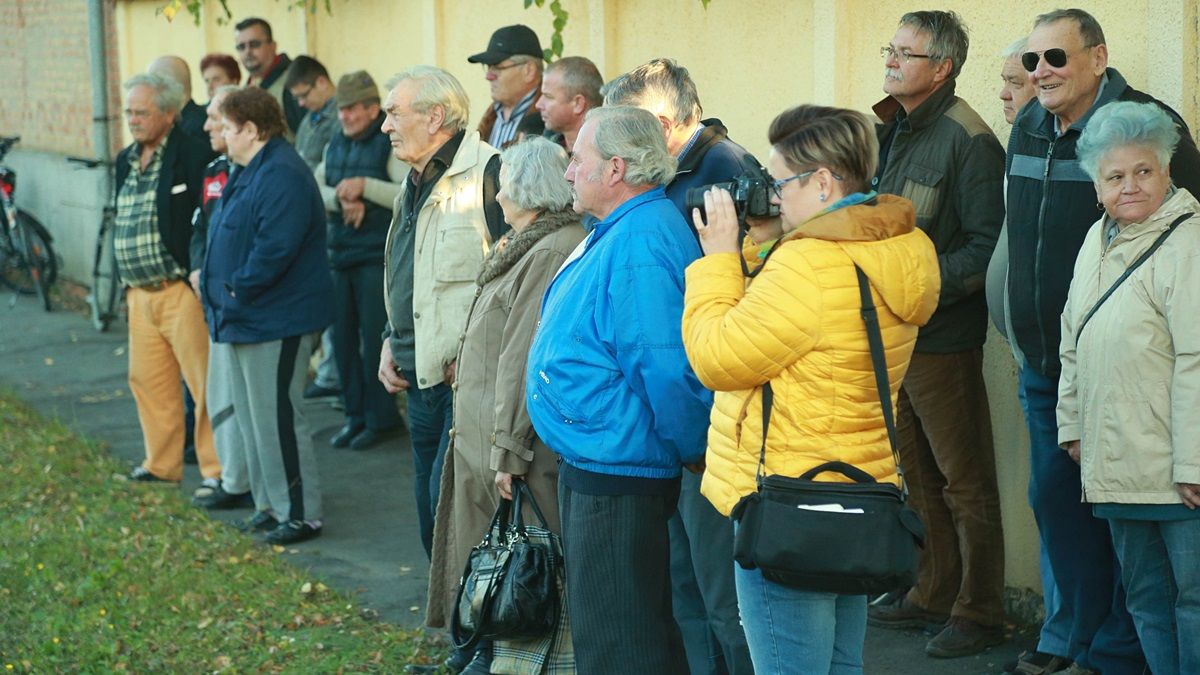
x,y
430,416
617,562
358,313
945,436
1079,546
702,585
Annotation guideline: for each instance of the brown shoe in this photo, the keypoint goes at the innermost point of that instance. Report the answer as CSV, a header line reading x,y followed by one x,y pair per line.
x,y
963,637
904,614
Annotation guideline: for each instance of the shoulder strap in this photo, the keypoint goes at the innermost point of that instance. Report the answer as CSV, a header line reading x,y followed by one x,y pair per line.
x,y
879,364
1136,264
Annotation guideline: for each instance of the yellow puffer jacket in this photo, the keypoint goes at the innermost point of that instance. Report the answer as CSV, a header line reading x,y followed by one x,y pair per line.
x,y
798,326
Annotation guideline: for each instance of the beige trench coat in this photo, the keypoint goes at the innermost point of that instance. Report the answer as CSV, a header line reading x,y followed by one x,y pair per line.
x,y
492,430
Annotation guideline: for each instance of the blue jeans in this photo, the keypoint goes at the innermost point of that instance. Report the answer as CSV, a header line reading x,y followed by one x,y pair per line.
x,y
430,417
1078,545
1162,577
800,632
1056,627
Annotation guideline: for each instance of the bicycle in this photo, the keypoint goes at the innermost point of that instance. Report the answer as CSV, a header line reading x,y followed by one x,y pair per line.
x,y
28,264
106,289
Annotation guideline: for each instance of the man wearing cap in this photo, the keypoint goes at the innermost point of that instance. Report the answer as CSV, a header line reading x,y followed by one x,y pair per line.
x,y
359,181
513,68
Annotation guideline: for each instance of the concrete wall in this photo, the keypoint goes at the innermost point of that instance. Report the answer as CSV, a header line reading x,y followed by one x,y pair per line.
x,y
750,58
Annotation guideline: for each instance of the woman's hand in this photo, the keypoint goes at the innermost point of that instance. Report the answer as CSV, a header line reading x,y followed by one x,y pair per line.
x,y
1190,494
720,234
504,484
1072,448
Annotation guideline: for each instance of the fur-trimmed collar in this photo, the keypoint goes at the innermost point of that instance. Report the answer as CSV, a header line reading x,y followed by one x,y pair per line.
x,y
514,245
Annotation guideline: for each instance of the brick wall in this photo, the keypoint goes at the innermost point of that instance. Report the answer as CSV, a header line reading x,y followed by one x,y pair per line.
x,y
47,91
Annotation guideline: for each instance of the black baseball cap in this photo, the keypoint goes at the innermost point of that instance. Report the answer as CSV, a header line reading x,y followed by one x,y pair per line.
x,y
518,40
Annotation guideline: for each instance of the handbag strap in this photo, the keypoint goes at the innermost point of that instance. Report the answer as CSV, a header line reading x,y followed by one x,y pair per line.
x,y
878,363
520,486
1136,264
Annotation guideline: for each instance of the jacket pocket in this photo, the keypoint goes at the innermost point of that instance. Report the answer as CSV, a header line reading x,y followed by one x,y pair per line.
x,y
921,187
458,254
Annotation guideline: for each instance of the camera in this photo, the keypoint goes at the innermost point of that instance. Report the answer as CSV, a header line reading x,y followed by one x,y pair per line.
x,y
751,192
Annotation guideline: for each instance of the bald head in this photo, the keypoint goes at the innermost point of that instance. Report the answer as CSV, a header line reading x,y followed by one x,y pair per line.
x,y
176,69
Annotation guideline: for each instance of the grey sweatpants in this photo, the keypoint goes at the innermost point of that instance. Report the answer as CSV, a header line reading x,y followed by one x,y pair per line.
x,y
268,387
226,435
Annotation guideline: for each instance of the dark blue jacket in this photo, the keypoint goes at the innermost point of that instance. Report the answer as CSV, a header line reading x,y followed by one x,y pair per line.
x,y
713,158
350,158
1051,207
266,276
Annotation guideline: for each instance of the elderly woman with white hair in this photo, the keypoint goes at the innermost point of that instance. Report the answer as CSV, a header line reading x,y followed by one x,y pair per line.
x,y
1129,395
494,441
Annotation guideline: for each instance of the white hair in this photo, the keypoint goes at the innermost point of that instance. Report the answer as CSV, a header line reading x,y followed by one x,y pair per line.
x,y
168,94
534,169
634,135
1016,49
437,87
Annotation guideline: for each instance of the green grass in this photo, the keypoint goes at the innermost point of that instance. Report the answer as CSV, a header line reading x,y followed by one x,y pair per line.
x,y
99,576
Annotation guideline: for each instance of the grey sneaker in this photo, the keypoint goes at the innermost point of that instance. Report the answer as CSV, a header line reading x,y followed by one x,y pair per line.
x,y
963,637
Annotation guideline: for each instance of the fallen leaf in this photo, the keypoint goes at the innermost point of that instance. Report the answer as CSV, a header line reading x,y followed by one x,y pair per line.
x,y
204,623
306,588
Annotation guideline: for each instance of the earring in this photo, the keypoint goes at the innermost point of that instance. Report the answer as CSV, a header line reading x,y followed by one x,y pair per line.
x,y
1099,206
821,196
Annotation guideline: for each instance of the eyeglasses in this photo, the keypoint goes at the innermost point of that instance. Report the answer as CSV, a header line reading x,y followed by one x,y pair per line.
x,y
250,44
890,52
301,94
777,185
1055,58
497,67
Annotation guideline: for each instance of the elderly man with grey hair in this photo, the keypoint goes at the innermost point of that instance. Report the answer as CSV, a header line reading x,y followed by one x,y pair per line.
x,y
609,388
443,221
158,186
936,151
705,599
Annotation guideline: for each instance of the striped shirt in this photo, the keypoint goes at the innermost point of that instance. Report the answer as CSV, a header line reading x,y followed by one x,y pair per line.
x,y
505,129
142,258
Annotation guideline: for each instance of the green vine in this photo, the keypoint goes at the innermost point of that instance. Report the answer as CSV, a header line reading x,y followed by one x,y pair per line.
x,y
194,8
555,49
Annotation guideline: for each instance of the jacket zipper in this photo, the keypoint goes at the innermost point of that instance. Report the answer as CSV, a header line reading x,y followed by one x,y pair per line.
x,y
1037,259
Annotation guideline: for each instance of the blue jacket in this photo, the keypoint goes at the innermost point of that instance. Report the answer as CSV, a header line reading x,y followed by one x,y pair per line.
x,y
266,276
609,387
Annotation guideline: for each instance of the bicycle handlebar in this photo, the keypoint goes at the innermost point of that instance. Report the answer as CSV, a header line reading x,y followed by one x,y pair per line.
x,y
86,161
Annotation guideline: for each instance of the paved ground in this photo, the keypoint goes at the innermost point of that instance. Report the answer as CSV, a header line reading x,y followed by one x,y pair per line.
x,y
62,367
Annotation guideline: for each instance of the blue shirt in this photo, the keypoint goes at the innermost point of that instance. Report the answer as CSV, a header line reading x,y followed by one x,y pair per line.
x,y
609,387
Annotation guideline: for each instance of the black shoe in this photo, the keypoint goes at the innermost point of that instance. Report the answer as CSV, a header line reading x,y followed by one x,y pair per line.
x,y
291,532
313,390
217,499
189,455
345,436
261,521
141,474
368,438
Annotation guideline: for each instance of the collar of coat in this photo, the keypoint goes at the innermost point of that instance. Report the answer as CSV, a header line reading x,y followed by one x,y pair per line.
x,y
890,111
515,245
883,217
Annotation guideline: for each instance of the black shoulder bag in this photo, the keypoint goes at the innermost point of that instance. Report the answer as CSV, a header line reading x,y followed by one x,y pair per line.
x,y
851,538
509,588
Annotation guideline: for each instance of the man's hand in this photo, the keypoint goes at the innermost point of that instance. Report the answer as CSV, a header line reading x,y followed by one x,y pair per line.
x,y
388,375
194,282
504,484
1190,494
697,468
720,234
449,372
351,189
1072,448
353,212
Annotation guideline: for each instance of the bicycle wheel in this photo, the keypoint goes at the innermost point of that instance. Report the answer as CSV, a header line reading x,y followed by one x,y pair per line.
x,y
105,285
41,263
27,241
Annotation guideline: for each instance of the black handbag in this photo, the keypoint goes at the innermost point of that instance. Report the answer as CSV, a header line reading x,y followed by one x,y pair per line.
x,y
853,538
509,587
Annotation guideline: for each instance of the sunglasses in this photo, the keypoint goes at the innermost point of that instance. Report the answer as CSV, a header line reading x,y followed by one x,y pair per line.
x,y
1055,58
